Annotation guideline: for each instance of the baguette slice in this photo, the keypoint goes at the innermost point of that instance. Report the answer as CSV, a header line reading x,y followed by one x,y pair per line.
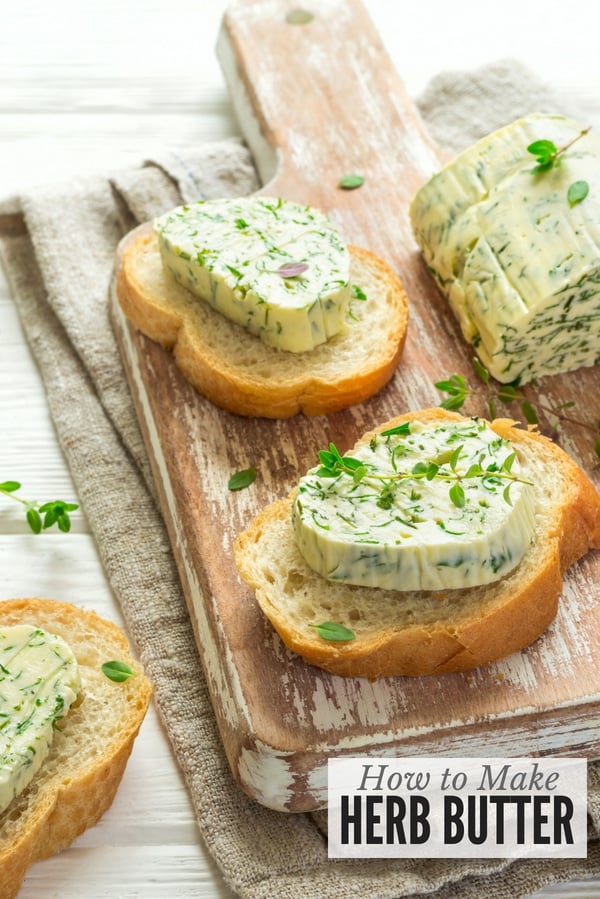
x,y
418,633
78,780
237,371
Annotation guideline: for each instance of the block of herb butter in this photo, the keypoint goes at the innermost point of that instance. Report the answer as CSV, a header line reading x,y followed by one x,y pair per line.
x,y
434,506
277,268
366,630
515,252
39,681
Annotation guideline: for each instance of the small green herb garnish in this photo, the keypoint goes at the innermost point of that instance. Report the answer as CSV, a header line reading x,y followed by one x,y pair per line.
x,y
242,479
117,671
458,390
403,429
358,293
329,630
577,192
41,517
333,465
457,495
547,154
351,182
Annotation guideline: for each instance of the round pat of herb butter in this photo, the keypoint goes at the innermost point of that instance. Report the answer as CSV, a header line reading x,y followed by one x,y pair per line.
x,y
278,269
39,681
422,507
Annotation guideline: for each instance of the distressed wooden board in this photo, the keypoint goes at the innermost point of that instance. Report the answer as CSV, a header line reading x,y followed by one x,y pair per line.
x,y
317,101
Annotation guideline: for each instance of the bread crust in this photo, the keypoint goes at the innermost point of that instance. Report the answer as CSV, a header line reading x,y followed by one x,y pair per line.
x,y
78,780
236,370
469,627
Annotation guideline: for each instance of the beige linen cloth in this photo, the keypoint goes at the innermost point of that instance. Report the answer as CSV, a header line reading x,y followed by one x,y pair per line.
x,y
61,296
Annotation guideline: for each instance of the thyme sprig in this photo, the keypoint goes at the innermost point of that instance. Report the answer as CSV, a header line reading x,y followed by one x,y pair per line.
x,y
333,464
40,517
458,391
548,154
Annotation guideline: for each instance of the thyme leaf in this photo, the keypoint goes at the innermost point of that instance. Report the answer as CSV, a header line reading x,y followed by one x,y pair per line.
x,y
117,671
577,192
457,495
351,182
330,630
242,479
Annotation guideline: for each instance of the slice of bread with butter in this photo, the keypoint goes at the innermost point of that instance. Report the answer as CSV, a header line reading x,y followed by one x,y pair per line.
x,y
67,729
267,311
513,239
437,544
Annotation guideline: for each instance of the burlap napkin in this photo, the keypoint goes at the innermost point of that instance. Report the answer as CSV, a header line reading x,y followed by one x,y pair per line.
x,y
60,290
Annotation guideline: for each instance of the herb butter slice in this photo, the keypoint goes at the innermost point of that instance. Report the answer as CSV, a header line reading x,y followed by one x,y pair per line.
x,y
434,506
517,259
39,681
276,268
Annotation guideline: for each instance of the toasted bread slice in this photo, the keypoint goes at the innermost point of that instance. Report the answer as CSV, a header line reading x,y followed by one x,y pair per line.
x,y
78,780
237,371
419,633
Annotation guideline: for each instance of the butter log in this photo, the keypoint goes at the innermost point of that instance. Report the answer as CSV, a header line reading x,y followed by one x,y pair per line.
x,y
515,246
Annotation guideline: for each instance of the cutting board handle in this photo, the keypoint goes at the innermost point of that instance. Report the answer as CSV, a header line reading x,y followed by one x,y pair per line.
x,y
317,97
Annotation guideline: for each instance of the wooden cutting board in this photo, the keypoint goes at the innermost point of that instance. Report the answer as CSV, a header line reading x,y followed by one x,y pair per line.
x,y
317,100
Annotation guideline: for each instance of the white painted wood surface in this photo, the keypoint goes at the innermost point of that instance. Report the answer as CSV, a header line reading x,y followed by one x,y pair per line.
x,y
87,87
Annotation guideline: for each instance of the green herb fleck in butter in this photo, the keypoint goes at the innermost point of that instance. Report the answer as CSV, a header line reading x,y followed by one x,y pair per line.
x,y
518,262
278,269
39,681
393,530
